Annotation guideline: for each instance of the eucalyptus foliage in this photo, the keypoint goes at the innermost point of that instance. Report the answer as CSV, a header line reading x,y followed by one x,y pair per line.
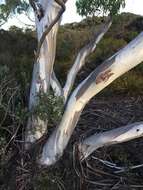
x,y
9,8
92,7
49,107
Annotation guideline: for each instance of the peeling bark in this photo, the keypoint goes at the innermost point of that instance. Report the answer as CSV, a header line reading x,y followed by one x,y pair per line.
x,y
123,61
104,76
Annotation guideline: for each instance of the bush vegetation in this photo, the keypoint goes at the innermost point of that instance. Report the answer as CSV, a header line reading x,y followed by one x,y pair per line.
x,y
17,46
16,63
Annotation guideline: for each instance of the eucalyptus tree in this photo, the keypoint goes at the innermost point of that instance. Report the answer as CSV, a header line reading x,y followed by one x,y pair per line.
x,y
48,15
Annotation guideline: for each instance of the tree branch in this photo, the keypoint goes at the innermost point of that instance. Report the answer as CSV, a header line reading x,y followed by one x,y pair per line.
x,y
102,76
56,86
37,7
43,67
81,57
48,29
32,3
115,136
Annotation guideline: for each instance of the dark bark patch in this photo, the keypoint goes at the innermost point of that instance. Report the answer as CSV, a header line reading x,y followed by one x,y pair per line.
x,y
39,11
41,82
104,68
104,76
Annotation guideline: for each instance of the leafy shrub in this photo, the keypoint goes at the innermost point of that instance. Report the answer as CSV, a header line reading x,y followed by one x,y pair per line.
x,y
106,48
130,36
131,82
136,24
49,108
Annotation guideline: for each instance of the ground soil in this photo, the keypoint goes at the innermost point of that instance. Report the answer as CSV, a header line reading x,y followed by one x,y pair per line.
x,y
101,114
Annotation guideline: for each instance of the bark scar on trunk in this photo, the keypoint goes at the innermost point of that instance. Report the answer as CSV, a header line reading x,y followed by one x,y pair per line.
x,y
39,11
40,14
41,83
104,76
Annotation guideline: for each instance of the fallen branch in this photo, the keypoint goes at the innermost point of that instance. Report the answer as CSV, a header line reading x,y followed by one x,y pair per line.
x,y
115,136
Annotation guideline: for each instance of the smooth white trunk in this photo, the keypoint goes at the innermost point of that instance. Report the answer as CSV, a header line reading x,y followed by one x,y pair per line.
x,y
81,58
102,76
56,86
115,136
43,67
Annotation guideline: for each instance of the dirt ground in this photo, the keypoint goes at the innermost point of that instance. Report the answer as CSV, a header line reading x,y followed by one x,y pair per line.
x,y
98,171
101,115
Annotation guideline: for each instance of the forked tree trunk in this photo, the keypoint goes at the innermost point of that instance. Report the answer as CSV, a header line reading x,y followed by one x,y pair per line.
x,y
47,15
47,23
81,58
102,76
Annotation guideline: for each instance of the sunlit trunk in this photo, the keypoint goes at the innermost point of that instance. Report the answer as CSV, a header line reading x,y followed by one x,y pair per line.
x,y
81,58
115,136
102,76
43,66
47,16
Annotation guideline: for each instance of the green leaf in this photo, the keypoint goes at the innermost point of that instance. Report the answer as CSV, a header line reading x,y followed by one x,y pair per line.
x,y
92,7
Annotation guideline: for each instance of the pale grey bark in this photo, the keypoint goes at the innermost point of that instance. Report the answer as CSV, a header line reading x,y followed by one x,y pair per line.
x,y
102,76
115,136
47,18
81,58
56,86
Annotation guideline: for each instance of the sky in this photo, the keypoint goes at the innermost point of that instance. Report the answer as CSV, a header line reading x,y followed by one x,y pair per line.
x,y
133,6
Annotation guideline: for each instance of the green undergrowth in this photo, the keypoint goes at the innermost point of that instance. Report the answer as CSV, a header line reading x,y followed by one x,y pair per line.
x,y
49,107
17,49
16,64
